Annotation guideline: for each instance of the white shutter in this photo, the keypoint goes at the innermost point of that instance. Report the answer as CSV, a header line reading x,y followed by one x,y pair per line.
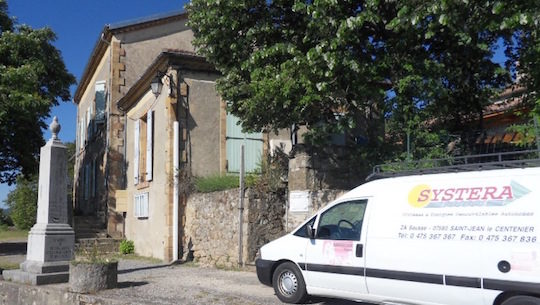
x,y
86,181
93,177
136,153
88,126
149,146
77,136
83,130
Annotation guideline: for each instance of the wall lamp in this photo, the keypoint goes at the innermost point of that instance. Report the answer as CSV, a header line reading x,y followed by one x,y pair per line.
x,y
156,85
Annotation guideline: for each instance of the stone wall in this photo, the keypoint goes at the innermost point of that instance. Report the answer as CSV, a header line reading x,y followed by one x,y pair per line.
x,y
330,167
318,199
211,232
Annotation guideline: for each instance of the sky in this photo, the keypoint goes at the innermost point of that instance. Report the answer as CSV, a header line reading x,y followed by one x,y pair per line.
x,y
78,24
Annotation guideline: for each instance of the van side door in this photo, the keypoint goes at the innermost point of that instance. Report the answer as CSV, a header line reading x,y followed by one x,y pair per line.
x,y
335,256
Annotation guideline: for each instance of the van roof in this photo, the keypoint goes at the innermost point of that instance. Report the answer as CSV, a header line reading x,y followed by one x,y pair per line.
x,y
480,162
374,187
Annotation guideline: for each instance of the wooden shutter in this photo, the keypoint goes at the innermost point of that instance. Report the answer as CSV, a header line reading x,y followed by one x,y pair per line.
x,y
136,153
149,145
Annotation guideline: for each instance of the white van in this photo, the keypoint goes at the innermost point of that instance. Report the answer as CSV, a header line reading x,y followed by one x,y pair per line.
x,y
456,239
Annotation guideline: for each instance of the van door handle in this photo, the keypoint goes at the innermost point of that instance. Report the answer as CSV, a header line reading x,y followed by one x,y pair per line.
x,y
359,250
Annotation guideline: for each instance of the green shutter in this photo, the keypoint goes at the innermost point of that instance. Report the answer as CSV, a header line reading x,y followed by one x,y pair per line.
x,y
253,143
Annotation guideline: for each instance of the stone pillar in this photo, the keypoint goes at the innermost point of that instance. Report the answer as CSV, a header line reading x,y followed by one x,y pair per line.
x,y
51,240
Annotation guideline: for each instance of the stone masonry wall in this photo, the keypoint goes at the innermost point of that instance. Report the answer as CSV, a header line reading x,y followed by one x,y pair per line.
x,y
211,233
318,199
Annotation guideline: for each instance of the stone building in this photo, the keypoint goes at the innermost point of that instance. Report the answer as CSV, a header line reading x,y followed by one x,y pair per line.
x,y
127,142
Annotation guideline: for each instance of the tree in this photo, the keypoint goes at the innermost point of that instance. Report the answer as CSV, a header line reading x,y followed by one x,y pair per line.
x,y
329,63
33,77
22,202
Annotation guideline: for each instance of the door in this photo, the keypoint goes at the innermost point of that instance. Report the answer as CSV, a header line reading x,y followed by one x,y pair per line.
x,y
335,257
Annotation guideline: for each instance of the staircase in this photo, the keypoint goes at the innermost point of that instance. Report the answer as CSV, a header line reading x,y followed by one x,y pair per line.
x,y
90,233
88,227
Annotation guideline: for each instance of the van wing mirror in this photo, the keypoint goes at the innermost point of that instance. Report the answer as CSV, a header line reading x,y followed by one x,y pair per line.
x,y
310,231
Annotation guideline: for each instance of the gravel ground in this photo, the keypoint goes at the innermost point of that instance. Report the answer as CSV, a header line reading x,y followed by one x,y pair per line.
x,y
144,283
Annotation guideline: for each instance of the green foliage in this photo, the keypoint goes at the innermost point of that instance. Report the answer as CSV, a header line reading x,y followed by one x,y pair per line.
x,y
216,183
408,62
33,77
5,219
127,247
22,202
272,176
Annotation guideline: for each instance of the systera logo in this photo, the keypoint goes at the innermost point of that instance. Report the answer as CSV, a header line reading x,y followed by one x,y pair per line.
x,y
424,196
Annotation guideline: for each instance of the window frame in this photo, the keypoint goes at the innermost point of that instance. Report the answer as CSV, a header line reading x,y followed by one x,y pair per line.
x,y
356,229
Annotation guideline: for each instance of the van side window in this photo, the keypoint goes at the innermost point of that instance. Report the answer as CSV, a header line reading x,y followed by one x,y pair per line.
x,y
343,221
302,231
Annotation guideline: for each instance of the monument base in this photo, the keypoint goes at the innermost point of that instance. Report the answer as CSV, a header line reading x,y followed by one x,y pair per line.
x,y
32,278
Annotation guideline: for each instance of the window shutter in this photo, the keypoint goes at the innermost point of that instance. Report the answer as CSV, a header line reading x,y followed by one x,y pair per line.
x,y
83,130
149,145
86,181
78,136
94,171
88,121
136,153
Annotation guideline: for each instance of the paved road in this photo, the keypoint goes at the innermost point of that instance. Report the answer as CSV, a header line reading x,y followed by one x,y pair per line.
x,y
141,282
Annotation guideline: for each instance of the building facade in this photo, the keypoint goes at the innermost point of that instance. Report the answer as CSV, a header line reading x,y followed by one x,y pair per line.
x,y
132,143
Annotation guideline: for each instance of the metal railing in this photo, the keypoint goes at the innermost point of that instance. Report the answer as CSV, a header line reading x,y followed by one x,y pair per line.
x,y
513,159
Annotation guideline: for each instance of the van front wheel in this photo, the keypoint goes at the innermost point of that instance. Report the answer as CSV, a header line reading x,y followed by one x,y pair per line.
x,y
289,284
522,300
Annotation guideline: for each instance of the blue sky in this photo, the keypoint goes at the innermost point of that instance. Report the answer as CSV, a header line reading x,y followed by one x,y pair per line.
x,y
77,24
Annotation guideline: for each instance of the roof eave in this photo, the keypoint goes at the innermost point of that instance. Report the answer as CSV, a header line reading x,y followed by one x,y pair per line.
x,y
167,58
100,47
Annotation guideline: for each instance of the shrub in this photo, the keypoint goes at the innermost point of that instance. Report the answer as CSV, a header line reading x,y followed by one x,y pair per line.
x,y
127,247
5,219
22,202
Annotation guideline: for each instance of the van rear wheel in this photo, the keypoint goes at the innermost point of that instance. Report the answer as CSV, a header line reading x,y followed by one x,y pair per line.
x,y
522,300
289,284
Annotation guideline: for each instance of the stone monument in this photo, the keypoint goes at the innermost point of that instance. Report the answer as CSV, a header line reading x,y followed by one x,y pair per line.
x,y
51,240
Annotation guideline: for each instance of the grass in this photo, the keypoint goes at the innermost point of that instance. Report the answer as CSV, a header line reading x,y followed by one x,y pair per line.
x,y
12,234
216,183
8,265
138,258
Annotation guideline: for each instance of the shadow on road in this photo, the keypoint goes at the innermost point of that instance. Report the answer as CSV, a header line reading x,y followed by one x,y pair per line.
x,y
12,248
129,284
143,268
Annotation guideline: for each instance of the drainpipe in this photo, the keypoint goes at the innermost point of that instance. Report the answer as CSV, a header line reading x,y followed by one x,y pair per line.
x,y
175,187
241,211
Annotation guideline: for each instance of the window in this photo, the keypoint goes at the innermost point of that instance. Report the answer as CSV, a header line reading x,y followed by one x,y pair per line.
x,y
343,221
143,148
302,231
100,101
140,207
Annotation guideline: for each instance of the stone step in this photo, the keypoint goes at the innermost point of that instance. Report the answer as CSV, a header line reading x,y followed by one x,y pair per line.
x,y
98,245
